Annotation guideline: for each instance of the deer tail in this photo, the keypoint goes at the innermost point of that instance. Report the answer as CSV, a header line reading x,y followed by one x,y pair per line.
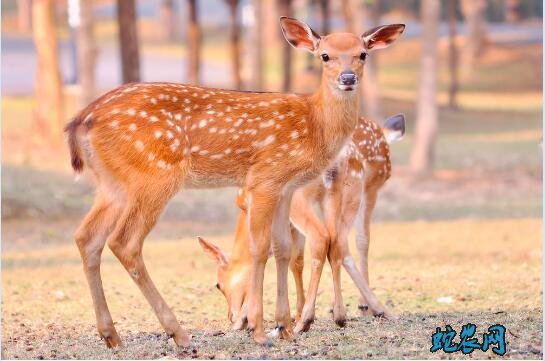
x,y
71,130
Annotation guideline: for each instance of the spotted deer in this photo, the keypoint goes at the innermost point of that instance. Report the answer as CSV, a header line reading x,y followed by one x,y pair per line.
x,y
324,211
143,142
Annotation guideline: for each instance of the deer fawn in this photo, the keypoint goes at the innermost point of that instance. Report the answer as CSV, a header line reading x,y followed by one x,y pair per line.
x,y
352,182
142,142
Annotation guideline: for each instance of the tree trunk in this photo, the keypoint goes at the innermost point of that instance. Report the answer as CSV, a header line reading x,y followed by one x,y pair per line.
x,y
426,118
23,15
128,40
49,115
368,12
167,21
452,55
284,8
235,42
193,44
476,37
326,16
86,52
512,10
257,48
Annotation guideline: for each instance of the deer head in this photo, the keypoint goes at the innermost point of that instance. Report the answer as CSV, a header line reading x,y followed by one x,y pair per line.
x,y
342,54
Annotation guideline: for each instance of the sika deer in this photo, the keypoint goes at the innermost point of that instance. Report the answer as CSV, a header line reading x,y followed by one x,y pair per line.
x,y
353,183
143,142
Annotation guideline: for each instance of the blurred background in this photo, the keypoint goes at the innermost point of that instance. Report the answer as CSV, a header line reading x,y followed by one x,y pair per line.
x,y
466,73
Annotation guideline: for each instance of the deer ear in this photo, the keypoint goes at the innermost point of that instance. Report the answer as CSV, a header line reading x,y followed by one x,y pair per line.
x,y
382,36
214,252
299,34
394,128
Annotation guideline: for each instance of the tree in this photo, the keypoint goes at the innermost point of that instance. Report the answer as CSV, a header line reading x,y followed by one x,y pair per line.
x,y
49,114
476,38
167,20
128,40
452,55
368,12
235,42
86,52
426,118
193,43
23,15
284,8
512,9
257,45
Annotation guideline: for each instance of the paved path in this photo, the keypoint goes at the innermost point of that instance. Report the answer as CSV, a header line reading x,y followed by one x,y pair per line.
x,y
19,60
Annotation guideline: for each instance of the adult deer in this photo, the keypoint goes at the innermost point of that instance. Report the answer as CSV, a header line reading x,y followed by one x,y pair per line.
x,y
143,142
324,210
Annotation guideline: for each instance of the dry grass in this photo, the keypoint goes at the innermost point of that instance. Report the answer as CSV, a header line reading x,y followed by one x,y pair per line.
x,y
491,270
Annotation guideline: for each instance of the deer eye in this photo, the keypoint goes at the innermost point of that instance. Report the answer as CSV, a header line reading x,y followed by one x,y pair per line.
x,y
218,286
363,56
325,57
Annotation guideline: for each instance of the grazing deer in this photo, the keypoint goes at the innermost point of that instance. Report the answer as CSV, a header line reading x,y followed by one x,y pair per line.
x,y
350,187
143,142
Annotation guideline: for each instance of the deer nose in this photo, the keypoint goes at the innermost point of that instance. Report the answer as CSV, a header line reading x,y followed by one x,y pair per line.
x,y
348,77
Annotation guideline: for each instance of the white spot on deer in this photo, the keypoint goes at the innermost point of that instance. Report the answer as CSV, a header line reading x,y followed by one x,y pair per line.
x,y
284,147
132,127
139,145
265,142
203,152
222,131
178,129
227,151
151,156
161,164
267,124
195,148
281,116
220,100
187,109
238,122
114,123
228,109
88,118
236,136
153,119
292,152
153,101
213,130
241,150
216,156
178,116
211,112
131,111
174,99
170,135
202,123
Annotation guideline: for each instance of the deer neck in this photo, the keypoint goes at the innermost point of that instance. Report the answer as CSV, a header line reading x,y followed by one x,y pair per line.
x,y
336,114
241,247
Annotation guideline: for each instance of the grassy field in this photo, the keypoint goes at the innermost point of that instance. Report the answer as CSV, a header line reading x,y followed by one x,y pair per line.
x,y
463,246
490,270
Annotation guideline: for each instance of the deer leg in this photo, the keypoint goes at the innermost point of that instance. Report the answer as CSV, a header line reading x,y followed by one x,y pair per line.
x,y
333,210
362,225
304,216
126,241
297,263
261,208
281,245
90,238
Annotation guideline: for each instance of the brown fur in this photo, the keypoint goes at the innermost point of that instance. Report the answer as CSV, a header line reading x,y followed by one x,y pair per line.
x,y
143,142
359,172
